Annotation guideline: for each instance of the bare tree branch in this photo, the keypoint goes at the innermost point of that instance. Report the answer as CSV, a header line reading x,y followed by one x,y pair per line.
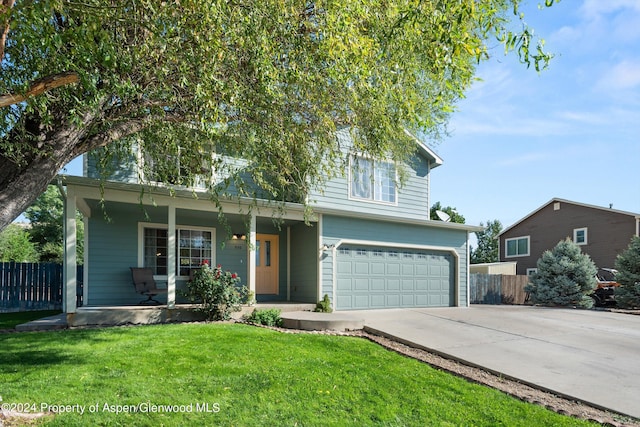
x,y
40,86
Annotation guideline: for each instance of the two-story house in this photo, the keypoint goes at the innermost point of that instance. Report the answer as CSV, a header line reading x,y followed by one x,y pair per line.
x,y
369,243
601,232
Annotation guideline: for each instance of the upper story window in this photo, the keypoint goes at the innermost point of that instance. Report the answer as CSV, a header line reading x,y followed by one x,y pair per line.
x,y
580,236
184,169
372,180
517,246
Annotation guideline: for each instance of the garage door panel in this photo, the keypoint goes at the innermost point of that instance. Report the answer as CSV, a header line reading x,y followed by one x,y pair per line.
x,y
380,277
408,270
393,300
408,300
345,285
407,285
378,301
360,267
361,301
377,284
361,284
393,284
344,267
421,269
422,300
377,268
393,268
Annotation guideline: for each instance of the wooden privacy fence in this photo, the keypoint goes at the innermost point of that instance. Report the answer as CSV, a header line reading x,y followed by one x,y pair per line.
x,y
498,289
29,286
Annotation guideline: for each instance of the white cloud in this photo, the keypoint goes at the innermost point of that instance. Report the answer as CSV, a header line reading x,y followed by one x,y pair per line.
x,y
622,76
523,159
594,9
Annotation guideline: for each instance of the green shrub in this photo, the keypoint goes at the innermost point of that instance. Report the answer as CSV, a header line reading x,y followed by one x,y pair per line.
x,y
324,306
628,266
217,292
565,277
267,317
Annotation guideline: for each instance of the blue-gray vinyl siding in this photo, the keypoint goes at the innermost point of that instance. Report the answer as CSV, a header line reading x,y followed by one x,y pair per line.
x,y
123,168
390,250
412,197
113,248
304,263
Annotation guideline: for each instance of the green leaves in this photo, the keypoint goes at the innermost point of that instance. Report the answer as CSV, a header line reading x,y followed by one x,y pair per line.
x,y
268,80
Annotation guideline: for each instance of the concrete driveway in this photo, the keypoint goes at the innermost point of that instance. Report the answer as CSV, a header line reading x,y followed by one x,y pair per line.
x,y
593,356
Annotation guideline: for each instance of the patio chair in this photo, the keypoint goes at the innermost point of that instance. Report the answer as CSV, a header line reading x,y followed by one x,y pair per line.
x,y
145,284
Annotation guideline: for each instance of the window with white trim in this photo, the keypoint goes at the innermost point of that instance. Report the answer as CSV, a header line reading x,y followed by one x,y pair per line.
x,y
516,246
580,236
372,180
174,168
531,271
194,245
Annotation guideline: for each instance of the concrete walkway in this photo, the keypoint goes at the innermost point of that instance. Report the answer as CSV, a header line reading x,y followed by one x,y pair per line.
x,y
592,356
58,321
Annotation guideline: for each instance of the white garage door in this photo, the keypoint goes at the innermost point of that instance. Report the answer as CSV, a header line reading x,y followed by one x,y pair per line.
x,y
378,277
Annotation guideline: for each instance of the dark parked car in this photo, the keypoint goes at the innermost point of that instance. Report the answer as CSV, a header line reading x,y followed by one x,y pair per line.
x,y
604,292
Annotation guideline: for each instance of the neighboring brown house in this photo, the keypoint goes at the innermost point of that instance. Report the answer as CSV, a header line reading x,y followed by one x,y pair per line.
x,y
600,232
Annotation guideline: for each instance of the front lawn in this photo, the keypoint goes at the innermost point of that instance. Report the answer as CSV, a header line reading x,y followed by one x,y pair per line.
x,y
233,374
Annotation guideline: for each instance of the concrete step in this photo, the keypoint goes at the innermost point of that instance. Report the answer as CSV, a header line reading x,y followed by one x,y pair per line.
x,y
311,321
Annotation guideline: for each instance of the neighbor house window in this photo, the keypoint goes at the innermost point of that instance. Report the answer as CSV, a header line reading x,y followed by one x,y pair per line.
x,y
373,180
517,246
580,236
194,246
531,271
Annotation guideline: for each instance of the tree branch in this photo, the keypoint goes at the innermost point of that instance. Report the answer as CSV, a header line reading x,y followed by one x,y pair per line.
x,y
40,86
126,128
5,6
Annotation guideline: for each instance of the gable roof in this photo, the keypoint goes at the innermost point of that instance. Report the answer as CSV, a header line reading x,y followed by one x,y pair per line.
x,y
435,160
584,205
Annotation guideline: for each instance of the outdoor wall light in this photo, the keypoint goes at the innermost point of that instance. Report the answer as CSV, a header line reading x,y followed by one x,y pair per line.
x,y
239,237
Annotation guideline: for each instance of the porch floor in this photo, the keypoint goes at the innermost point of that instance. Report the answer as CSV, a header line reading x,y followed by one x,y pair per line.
x,y
294,316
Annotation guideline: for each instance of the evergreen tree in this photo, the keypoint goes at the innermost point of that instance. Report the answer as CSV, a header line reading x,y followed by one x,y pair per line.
x,y
565,277
487,250
628,266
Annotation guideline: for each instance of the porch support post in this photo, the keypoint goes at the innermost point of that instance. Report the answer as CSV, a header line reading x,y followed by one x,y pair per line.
x,y
70,261
171,257
251,267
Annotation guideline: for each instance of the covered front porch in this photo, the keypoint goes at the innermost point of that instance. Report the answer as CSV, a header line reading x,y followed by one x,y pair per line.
x,y
273,250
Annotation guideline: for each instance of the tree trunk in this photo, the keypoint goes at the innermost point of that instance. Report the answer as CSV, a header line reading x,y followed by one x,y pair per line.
x,y
22,183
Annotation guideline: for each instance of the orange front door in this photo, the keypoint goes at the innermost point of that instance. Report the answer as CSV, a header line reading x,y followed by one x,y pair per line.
x,y
266,264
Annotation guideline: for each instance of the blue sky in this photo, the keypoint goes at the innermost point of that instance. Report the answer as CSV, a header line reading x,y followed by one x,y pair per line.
x,y
521,138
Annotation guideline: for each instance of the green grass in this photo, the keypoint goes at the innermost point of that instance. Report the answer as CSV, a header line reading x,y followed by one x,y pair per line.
x,y
254,376
10,320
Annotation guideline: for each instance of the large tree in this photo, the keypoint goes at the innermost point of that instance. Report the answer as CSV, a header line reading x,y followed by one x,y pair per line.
x,y
267,80
488,242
